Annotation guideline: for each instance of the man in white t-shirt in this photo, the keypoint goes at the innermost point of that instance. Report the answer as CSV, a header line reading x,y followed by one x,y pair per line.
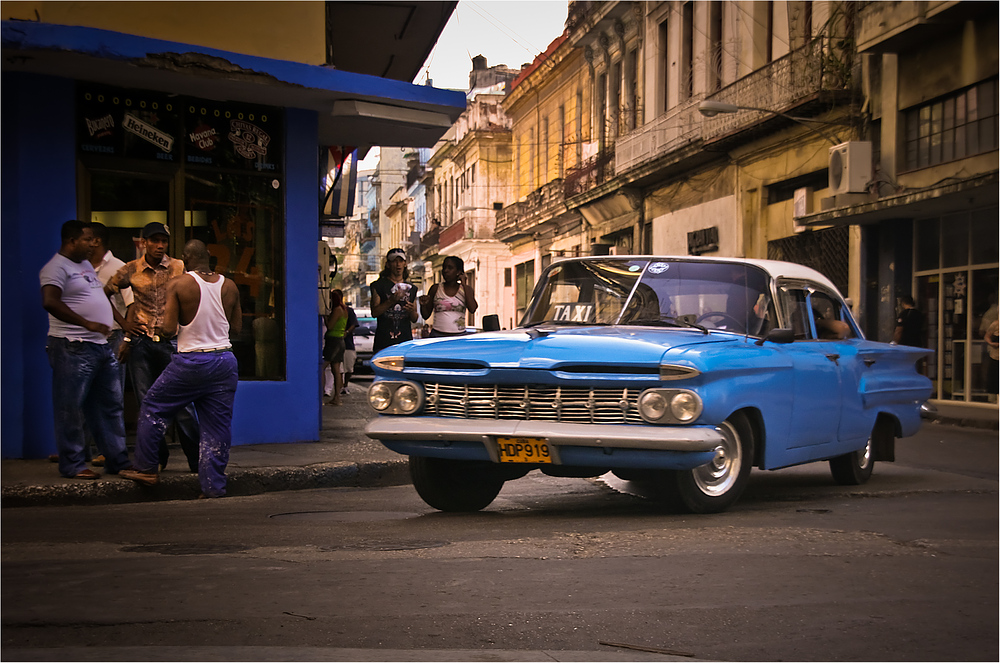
x,y
85,373
106,264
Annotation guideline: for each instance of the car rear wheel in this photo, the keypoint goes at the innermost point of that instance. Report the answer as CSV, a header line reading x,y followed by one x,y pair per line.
x,y
716,485
855,468
455,485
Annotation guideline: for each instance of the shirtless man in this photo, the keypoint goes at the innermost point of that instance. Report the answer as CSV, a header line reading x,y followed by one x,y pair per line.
x,y
205,308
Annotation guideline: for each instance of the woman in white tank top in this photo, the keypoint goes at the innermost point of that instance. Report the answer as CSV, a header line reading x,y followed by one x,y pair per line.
x,y
449,300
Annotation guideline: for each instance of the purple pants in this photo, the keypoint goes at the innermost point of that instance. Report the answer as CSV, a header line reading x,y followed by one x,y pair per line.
x,y
208,380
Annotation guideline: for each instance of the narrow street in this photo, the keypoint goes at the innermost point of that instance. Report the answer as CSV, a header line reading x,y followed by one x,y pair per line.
x,y
903,568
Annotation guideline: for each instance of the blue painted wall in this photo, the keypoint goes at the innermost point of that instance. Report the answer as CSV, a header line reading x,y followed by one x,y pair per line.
x,y
290,411
39,194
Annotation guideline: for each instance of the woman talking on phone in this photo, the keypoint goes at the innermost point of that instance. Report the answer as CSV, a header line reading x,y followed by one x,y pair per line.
x,y
449,300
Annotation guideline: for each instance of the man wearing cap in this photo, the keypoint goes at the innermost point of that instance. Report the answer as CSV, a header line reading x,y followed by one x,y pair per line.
x,y
85,383
393,302
147,345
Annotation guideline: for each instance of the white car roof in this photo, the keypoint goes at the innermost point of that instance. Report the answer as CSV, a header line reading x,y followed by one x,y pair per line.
x,y
776,268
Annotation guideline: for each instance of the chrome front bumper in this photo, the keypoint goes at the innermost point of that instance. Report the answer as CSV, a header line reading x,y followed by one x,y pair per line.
x,y
444,429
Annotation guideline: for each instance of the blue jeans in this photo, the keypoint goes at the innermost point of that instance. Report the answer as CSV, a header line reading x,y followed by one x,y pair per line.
x,y
86,388
147,359
208,381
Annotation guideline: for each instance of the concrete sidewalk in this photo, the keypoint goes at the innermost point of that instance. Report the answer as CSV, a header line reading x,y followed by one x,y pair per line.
x,y
344,456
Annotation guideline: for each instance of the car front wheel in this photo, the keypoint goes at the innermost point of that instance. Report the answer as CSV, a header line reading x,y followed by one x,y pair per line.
x,y
716,485
855,468
455,485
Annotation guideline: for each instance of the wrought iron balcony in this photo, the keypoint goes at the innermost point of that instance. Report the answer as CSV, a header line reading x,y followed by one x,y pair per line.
x,y
595,171
787,84
541,205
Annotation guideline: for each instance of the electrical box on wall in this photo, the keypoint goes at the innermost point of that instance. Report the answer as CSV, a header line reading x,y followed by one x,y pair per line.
x,y
850,167
801,205
802,202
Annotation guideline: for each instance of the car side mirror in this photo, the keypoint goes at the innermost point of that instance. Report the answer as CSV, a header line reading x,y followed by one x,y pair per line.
x,y
491,322
778,336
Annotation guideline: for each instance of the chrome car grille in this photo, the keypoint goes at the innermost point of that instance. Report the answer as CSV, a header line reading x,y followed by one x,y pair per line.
x,y
533,402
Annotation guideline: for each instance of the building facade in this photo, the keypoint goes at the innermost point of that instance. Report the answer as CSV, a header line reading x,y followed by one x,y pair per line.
x,y
928,214
832,134
106,118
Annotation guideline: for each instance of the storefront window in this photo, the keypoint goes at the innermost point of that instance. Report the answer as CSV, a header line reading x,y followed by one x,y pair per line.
x,y
143,150
959,301
239,218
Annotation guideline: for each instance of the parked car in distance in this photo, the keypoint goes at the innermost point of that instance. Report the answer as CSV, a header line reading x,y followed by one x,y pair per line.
x,y
679,372
364,340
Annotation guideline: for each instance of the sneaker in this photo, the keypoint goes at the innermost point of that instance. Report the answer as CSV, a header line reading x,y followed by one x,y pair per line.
x,y
145,478
344,391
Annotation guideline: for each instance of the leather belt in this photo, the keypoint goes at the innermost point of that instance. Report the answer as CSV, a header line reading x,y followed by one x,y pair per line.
x,y
225,349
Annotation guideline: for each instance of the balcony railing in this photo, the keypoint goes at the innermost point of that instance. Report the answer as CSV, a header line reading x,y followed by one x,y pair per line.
x,y
671,131
782,85
452,234
593,172
542,204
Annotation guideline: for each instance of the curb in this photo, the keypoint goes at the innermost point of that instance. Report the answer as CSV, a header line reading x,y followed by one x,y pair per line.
x,y
242,482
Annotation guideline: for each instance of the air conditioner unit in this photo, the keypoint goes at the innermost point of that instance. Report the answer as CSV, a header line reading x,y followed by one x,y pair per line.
x,y
850,167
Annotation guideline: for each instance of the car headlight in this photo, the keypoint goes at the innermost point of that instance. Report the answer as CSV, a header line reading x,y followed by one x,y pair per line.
x,y
395,397
406,399
684,406
380,396
652,405
669,406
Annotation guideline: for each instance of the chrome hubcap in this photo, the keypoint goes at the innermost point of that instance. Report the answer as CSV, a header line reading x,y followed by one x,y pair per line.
x,y
865,455
718,476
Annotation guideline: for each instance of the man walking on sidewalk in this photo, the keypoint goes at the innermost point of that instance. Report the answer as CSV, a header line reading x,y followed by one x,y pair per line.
x,y
206,306
147,345
85,373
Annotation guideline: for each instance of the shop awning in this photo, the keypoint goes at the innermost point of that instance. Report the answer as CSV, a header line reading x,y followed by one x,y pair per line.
x,y
354,109
948,197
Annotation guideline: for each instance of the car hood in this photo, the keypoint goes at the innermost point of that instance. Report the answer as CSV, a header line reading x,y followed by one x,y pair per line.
x,y
554,348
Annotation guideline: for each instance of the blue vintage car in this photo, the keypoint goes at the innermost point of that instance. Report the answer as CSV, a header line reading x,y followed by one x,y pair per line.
x,y
683,372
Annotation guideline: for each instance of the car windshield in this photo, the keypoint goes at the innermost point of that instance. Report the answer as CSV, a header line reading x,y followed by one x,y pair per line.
x,y
674,293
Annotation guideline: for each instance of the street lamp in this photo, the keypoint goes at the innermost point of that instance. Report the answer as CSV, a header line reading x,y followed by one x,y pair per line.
x,y
710,108
468,208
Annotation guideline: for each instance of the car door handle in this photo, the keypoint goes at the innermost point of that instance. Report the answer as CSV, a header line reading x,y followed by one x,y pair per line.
x,y
869,361
833,358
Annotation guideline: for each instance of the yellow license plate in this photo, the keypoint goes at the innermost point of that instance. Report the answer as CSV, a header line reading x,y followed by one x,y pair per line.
x,y
524,450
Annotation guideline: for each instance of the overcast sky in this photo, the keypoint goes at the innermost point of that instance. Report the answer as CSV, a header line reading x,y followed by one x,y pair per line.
x,y
510,32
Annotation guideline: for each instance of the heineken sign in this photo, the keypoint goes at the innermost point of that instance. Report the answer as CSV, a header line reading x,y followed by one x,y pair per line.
x,y
139,124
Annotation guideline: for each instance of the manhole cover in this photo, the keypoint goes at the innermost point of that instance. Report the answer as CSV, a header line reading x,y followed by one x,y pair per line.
x,y
346,516
385,546
186,548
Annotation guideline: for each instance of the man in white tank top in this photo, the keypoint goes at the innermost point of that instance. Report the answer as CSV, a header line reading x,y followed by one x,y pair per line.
x,y
205,309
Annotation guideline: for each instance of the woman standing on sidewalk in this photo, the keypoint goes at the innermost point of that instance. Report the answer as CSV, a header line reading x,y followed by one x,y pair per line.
x,y
333,345
449,301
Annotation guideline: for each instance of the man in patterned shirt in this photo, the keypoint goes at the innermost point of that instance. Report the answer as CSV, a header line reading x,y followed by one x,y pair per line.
x,y
146,346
